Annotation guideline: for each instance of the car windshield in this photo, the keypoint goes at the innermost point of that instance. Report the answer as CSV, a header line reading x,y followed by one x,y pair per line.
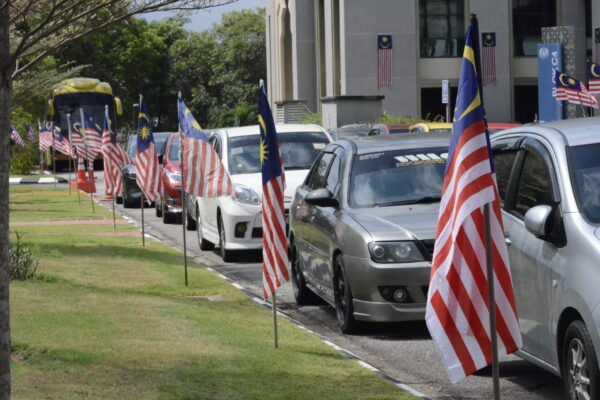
x,y
397,177
174,150
585,174
298,149
159,141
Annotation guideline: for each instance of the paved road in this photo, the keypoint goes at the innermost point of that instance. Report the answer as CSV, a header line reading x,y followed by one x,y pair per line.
x,y
404,350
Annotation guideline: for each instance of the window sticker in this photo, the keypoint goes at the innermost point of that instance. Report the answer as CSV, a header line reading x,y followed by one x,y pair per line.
x,y
319,146
417,159
237,150
371,156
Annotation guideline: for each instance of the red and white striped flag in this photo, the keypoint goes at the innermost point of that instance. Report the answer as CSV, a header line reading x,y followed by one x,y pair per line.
x,y
204,173
593,77
384,61
573,91
115,158
61,143
14,134
488,57
458,307
45,135
30,134
275,259
147,169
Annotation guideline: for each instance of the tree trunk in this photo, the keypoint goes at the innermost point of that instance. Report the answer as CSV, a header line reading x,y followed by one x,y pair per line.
x,y
5,108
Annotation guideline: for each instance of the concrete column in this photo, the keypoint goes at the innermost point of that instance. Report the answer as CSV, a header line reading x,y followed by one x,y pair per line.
x,y
595,25
573,14
495,16
304,52
329,54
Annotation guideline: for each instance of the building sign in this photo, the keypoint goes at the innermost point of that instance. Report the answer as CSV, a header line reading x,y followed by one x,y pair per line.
x,y
549,59
445,91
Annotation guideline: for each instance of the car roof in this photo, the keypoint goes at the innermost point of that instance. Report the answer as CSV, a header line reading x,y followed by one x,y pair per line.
x,y
572,132
280,128
372,144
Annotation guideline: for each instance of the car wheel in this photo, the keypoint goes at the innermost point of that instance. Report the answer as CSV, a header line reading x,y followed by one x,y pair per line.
x,y
158,209
126,202
580,366
119,200
190,224
303,295
202,243
344,311
226,255
168,218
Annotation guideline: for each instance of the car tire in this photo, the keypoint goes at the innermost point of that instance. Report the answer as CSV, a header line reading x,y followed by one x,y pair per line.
x,y
203,244
580,371
344,311
190,224
226,255
127,203
168,218
158,210
119,200
303,295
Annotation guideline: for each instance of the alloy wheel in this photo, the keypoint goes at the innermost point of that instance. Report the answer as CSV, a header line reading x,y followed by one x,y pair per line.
x,y
579,381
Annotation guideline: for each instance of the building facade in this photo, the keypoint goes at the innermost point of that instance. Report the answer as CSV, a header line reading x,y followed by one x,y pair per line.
x,y
319,51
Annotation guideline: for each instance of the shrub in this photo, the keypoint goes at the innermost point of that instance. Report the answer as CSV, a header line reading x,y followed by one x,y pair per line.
x,y
312,118
24,159
20,260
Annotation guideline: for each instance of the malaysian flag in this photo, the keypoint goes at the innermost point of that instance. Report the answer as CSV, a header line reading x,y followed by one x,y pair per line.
x,y
86,137
61,143
593,77
115,158
14,134
384,61
147,169
488,57
30,133
275,260
573,91
46,140
457,312
205,175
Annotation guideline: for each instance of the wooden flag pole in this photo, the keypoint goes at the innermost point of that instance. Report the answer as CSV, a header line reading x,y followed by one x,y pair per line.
x,y
71,158
274,303
142,208
53,165
491,302
114,217
183,201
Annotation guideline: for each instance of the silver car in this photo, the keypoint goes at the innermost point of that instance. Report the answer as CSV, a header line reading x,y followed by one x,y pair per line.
x,y
549,184
362,227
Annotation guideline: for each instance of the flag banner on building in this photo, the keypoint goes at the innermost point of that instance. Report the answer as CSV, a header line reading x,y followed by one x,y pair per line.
x,y
61,143
593,77
147,169
384,61
115,158
275,260
204,174
457,312
16,137
573,91
30,134
488,57
46,139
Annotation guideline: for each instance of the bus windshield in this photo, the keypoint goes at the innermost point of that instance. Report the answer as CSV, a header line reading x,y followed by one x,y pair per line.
x,y
92,103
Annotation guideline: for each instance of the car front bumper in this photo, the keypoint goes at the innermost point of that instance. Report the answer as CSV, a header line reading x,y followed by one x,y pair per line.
x,y
235,214
368,279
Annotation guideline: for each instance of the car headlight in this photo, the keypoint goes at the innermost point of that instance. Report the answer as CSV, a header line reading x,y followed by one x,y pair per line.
x,y
245,195
395,252
174,176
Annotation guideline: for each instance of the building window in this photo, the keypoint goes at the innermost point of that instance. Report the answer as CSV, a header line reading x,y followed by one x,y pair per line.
x,y
442,28
529,16
432,108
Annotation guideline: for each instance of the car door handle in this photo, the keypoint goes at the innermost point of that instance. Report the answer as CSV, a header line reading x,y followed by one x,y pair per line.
x,y
507,239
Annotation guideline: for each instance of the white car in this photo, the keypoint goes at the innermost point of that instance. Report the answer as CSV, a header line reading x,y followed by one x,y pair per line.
x,y
235,223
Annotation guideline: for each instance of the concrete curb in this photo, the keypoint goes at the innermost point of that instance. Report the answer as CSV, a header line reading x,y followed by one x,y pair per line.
x,y
35,181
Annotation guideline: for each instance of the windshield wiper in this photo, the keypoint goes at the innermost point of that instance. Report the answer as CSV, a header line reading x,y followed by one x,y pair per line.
x,y
420,200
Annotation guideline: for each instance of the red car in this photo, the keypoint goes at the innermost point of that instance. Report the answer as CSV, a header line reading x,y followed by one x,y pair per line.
x,y
169,205
495,126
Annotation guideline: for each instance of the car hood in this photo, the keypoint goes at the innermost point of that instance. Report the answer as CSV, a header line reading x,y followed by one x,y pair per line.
x,y
293,179
405,222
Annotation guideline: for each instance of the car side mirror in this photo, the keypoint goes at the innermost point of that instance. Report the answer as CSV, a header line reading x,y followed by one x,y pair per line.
x,y
322,198
536,220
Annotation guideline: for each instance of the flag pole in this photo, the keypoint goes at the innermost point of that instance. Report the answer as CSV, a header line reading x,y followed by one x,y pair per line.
x,y
183,199
491,302
53,165
112,195
581,104
89,161
274,303
142,208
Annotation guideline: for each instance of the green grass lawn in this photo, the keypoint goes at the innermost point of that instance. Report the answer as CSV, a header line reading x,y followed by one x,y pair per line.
x,y
108,319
